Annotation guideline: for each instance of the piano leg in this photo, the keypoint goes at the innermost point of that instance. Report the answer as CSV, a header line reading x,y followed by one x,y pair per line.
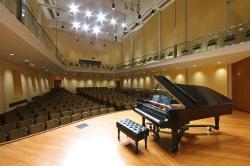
x,y
175,142
143,121
176,137
217,121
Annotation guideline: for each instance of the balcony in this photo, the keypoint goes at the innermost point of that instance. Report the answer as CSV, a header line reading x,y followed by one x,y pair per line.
x,y
233,36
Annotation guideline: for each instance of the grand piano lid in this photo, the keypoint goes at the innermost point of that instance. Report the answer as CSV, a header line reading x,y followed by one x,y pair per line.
x,y
181,95
193,95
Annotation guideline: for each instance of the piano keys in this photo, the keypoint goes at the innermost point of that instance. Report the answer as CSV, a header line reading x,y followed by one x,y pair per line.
x,y
186,103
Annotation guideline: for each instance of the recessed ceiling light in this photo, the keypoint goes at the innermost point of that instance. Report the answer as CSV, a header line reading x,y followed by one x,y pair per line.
x,y
96,30
27,60
194,65
76,25
101,17
85,27
88,13
219,62
123,25
73,8
11,54
113,21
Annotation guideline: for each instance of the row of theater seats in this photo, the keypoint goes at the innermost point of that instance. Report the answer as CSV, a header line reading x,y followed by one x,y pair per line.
x,y
107,96
58,107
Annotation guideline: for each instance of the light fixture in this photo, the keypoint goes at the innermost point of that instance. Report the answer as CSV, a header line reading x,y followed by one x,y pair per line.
x,y
76,25
113,21
219,62
101,17
113,4
11,54
194,65
73,8
85,27
26,60
88,13
139,16
96,30
123,25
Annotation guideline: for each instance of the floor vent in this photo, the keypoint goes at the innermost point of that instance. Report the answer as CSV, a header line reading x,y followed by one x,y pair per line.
x,y
81,126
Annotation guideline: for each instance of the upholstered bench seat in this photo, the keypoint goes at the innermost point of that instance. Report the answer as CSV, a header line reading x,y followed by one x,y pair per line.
x,y
133,130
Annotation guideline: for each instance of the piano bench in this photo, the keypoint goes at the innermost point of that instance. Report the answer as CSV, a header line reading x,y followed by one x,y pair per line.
x,y
133,130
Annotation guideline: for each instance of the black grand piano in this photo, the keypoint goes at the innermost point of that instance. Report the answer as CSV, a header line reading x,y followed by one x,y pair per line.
x,y
184,104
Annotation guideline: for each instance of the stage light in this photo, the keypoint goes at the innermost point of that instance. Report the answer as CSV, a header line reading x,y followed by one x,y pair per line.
x,y
113,4
73,8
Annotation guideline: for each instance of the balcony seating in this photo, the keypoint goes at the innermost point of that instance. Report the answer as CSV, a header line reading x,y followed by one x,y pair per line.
x,y
197,46
212,42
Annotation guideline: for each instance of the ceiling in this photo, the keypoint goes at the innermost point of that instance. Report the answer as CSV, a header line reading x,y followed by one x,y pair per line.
x,y
125,11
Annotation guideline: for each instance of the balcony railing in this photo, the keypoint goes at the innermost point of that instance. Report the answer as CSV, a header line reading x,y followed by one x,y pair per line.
x,y
234,35
25,16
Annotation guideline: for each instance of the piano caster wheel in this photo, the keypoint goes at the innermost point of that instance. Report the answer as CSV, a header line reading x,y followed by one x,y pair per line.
x,y
174,148
150,126
209,129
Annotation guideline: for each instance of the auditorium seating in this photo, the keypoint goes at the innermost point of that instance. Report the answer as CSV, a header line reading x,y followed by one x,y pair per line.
x,y
108,96
58,107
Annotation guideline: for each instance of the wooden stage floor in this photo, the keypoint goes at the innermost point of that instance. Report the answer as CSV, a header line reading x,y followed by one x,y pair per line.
x,y
97,144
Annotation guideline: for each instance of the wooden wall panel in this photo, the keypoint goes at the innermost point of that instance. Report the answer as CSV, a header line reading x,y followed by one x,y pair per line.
x,y
241,85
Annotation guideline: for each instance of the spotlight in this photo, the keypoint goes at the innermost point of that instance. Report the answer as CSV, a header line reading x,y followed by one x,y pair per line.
x,y
139,16
88,13
113,4
101,17
73,9
153,11
113,21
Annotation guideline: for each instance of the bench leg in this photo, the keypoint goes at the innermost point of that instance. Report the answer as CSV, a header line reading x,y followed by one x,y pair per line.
x,y
118,134
136,147
146,143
